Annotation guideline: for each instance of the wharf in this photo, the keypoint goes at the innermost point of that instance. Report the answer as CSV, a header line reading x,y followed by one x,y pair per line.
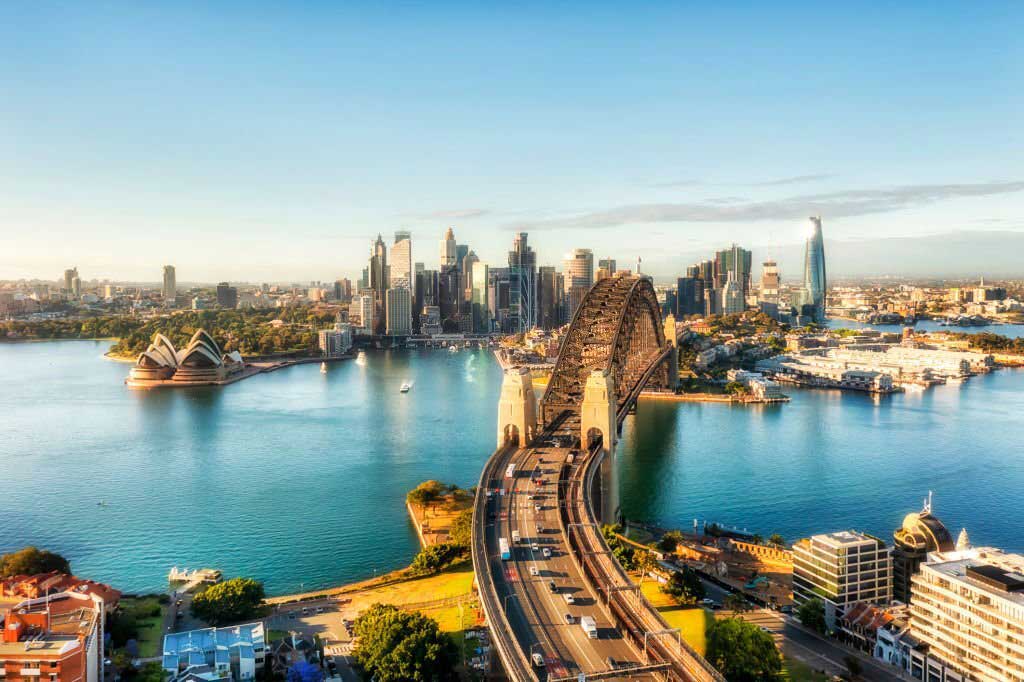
x,y
251,369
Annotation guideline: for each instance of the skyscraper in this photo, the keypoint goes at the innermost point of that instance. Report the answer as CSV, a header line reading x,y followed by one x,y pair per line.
x,y
815,283
550,294
379,281
478,298
448,250
69,280
399,311
522,285
579,277
170,288
466,266
401,260
769,282
735,260
227,296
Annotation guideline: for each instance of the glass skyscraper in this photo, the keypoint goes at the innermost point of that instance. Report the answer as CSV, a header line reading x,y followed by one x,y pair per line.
x,y
815,283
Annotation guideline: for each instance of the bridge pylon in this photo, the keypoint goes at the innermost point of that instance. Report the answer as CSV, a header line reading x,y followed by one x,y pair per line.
x,y
598,419
517,408
673,357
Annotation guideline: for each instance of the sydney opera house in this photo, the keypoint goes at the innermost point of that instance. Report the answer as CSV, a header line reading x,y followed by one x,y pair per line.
x,y
200,362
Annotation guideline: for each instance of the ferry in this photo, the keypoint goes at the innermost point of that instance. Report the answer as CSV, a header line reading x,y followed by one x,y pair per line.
x,y
405,387
323,368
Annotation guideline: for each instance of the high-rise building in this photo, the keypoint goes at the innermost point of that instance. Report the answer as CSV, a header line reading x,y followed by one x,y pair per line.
x,y
841,569
401,260
815,282
170,288
69,280
735,260
337,340
227,296
448,250
769,282
361,310
605,268
689,297
399,311
920,534
732,296
550,294
968,609
522,285
479,299
579,277
380,280
466,266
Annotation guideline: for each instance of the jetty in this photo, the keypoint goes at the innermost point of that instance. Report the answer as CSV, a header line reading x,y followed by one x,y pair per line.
x,y
189,580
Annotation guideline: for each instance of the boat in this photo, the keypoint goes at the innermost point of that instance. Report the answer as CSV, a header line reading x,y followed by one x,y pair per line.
x,y
453,349
405,387
323,368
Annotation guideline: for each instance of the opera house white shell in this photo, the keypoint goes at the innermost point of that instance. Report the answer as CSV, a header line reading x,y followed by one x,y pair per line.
x,y
200,361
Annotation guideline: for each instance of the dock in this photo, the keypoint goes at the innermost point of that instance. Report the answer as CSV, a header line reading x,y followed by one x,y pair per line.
x,y
190,580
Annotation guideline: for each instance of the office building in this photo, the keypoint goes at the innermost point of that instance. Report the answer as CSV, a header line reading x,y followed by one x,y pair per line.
x,y
69,280
736,261
234,653
466,268
379,281
399,312
522,286
227,296
401,261
689,297
449,254
967,607
732,297
361,312
815,282
170,288
578,271
550,294
337,340
479,298
769,282
841,569
920,534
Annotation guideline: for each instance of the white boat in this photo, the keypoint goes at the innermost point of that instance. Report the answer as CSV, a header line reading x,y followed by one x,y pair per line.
x,y
453,349
323,368
405,387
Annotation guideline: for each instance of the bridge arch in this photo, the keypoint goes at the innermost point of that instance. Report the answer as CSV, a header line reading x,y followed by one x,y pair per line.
x,y
617,329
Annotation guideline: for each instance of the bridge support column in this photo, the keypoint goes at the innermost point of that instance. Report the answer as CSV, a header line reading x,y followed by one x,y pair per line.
x,y
517,408
673,357
598,420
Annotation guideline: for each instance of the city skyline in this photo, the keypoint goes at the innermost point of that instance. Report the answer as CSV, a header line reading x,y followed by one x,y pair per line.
x,y
303,132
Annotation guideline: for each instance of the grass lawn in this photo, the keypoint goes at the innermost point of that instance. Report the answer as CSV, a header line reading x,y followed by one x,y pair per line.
x,y
692,621
452,582
149,626
798,671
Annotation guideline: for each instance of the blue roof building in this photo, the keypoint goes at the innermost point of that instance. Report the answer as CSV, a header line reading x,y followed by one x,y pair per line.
x,y
210,654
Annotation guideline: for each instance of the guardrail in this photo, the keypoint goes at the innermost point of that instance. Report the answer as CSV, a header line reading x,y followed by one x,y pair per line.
x,y
517,665
631,610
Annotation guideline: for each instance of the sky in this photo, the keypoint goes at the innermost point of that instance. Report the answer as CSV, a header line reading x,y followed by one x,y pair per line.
x,y
255,141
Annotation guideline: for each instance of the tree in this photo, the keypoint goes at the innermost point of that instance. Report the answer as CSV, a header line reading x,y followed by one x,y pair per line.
x,y
735,601
853,666
670,540
151,672
645,563
425,494
735,388
32,560
685,586
742,652
229,602
777,540
812,614
435,557
460,533
395,645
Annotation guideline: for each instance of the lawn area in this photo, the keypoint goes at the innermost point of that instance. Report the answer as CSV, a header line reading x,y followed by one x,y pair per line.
x,y
692,621
798,671
147,614
452,582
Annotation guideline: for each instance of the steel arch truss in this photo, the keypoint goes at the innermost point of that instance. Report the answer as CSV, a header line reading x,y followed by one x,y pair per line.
x,y
616,328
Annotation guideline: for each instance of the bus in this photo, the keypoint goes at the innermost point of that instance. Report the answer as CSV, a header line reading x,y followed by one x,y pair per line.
x,y
503,546
510,471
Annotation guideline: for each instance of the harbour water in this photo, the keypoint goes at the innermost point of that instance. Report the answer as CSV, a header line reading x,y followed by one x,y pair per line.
x,y
298,478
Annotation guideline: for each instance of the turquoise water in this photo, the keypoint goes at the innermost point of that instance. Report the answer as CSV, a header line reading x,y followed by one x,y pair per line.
x,y
1011,330
299,478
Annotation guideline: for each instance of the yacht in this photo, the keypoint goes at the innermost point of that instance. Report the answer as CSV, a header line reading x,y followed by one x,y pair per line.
x,y
405,387
323,368
453,348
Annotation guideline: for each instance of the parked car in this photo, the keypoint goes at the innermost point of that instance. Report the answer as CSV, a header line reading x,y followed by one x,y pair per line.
x,y
547,552
534,570
569,619
538,660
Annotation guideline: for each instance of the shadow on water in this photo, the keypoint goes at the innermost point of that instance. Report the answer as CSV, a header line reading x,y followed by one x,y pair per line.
x,y
647,451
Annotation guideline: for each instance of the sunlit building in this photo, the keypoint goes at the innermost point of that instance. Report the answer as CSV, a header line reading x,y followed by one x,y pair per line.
x,y
920,534
201,361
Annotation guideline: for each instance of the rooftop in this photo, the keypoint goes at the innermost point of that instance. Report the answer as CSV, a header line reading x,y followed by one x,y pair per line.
x,y
244,636
986,570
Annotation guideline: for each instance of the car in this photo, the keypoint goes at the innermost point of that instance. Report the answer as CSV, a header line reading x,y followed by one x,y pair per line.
x,y
305,611
535,547
547,552
788,608
552,587
569,599
538,660
569,619
534,570
319,609
536,508
529,497
764,629
610,662
291,614
707,602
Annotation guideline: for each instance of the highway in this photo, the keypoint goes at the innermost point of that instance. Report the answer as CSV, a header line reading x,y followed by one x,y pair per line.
x,y
527,503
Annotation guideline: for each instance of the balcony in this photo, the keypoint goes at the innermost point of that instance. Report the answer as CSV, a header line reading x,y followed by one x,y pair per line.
x,y
30,672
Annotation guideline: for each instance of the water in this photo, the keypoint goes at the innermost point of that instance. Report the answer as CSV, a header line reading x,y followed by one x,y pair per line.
x,y
299,478
1011,330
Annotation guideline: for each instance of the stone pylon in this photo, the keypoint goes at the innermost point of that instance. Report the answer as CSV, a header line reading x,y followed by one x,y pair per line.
x,y
673,358
517,408
598,418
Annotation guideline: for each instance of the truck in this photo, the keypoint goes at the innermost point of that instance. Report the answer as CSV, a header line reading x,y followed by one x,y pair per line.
x,y
589,626
503,546
515,536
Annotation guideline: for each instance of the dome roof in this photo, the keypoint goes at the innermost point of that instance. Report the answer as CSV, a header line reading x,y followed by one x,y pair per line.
x,y
923,531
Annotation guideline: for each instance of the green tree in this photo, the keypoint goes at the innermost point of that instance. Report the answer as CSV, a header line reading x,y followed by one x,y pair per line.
x,y
229,602
735,601
151,672
685,587
645,563
735,388
742,652
777,540
670,540
853,666
460,533
426,494
32,560
812,614
435,557
395,645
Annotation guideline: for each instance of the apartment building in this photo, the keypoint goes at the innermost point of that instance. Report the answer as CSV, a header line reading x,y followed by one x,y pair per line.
x,y
968,607
56,638
841,569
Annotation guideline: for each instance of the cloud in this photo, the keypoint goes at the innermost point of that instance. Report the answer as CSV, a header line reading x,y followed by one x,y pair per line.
x,y
457,214
841,204
675,183
795,180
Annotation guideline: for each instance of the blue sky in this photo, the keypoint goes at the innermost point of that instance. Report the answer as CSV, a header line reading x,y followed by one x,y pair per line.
x,y
251,141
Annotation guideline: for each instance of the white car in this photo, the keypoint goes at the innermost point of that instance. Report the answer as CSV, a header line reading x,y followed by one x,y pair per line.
x,y
535,547
569,599
536,508
538,660
547,552
534,570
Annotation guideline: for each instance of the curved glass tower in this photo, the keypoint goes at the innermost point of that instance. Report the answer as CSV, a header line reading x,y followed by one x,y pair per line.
x,y
815,283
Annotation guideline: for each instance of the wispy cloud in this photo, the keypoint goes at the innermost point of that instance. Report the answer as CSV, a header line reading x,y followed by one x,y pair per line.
x,y
457,214
841,204
794,180
674,183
